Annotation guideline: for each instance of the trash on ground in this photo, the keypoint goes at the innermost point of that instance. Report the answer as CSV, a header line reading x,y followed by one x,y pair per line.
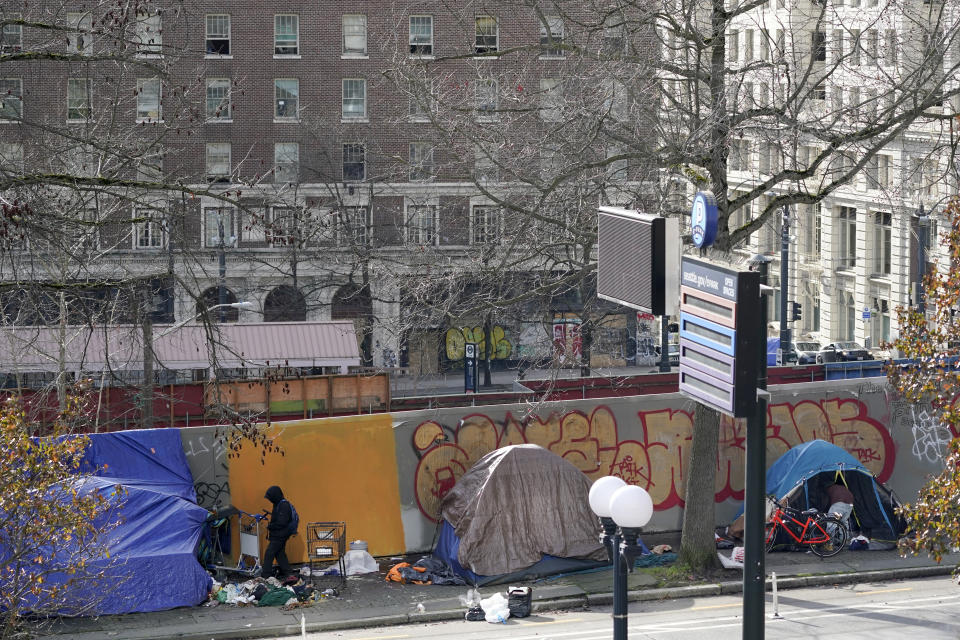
x,y
266,592
495,608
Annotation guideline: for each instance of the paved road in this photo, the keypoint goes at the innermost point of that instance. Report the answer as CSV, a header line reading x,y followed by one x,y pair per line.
x,y
923,608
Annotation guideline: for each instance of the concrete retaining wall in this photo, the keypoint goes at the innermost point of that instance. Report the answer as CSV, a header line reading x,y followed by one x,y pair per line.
x,y
385,474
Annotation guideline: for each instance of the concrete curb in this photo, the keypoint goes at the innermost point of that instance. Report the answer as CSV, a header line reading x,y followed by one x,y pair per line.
x,y
549,604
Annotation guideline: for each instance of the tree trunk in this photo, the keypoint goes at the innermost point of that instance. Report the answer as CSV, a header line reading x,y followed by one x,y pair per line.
x,y
586,348
698,549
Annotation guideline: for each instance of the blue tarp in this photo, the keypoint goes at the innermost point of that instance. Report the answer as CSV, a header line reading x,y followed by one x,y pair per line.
x,y
448,548
152,563
805,471
146,458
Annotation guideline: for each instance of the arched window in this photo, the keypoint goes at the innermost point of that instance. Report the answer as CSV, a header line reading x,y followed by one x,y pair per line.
x,y
211,298
285,304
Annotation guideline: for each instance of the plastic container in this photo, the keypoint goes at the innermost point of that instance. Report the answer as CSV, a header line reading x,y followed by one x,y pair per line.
x,y
358,545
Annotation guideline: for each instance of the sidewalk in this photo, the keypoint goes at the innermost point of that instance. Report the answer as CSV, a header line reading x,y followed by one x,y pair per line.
x,y
369,601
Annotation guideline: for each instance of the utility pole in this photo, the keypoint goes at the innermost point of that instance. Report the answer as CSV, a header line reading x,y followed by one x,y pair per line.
x,y
785,333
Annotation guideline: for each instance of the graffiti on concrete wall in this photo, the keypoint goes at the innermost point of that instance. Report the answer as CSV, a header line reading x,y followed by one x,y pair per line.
x,y
207,456
931,438
456,338
656,458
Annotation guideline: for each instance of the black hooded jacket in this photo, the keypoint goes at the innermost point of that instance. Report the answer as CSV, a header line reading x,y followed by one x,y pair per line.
x,y
281,515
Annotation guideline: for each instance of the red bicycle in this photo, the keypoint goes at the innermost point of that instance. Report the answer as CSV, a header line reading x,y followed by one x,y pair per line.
x,y
824,534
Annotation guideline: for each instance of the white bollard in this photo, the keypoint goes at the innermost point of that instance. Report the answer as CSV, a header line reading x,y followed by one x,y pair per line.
x,y
303,626
776,603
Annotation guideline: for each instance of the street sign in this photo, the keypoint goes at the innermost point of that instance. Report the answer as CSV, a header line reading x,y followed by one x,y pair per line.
x,y
866,313
720,336
704,219
638,259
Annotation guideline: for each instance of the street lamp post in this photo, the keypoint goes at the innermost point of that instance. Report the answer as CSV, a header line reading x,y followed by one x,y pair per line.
x,y
923,223
222,280
623,509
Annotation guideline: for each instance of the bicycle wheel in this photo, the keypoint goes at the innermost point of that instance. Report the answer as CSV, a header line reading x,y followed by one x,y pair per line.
x,y
838,537
770,536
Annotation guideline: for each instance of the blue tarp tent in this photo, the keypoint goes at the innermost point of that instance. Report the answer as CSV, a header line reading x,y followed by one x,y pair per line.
x,y
803,474
152,532
145,458
152,563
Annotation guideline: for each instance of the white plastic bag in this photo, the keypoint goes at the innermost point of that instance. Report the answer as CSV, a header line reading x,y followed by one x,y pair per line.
x,y
357,561
472,599
495,608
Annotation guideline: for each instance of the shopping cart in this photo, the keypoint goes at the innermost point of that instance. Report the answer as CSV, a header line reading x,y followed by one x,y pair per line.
x,y
248,560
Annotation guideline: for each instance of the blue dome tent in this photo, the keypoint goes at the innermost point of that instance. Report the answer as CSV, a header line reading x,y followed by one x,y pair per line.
x,y
802,475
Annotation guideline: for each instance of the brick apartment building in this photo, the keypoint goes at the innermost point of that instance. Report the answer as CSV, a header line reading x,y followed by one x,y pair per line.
x,y
304,157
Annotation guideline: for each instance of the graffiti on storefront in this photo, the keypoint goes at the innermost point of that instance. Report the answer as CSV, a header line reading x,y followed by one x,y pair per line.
x,y
655,453
456,338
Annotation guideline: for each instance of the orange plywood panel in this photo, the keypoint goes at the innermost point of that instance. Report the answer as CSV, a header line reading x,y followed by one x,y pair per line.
x,y
333,469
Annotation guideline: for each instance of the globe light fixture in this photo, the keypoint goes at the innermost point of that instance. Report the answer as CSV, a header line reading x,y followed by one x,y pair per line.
x,y
623,509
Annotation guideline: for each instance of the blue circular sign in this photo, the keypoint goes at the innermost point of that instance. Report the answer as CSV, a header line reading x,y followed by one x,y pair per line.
x,y
704,219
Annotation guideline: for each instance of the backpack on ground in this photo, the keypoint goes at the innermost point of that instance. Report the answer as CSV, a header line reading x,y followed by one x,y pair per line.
x,y
294,519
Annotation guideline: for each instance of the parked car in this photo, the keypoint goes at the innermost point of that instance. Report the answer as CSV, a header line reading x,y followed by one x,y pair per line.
x,y
807,352
673,354
843,351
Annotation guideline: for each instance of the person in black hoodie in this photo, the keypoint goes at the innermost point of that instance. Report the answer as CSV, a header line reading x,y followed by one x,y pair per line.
x,y
277,535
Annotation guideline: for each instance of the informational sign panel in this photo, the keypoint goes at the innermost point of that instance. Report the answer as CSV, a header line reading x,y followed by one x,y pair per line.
x,y
721,339
470,367
638,258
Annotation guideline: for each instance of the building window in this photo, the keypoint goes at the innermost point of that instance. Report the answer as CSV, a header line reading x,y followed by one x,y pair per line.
x,y
614,42
147,232
218,226
848,316
550,99
80,40
286,159
354,34
286,35
421,101
486,98
11,38
149,33
218,162
354,99
148,99
551,36
854,59
352,226
286,227
354,161
485,224
487,36
421,161
486,167
818,45
78,99
286,98
218,99
11,157
422,224
847,236
218,34
421,35
882,243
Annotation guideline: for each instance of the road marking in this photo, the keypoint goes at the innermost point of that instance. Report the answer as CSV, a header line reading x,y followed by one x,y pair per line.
x,y
867,593
716,606
405,635
537,624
